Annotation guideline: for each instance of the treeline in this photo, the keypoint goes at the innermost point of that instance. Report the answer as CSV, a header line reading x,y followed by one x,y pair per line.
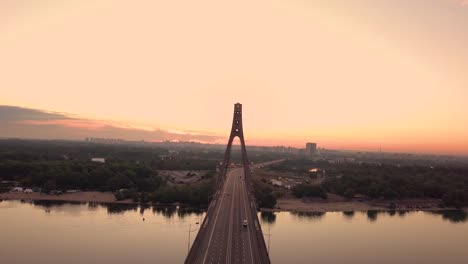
x,y
141,183
157,156
394,182
198,194
66,165
309,190
300,166
53,175
34,150
264,193
383,181
154,157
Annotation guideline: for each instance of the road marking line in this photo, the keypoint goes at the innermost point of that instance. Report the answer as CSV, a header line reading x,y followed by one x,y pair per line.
x,y
229,242
214,224
248,231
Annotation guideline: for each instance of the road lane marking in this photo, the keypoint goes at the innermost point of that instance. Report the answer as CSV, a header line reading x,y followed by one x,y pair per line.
x,y
214,224
248,230
229,242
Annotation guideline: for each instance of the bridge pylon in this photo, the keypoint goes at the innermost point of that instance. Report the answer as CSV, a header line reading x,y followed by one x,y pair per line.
x,y
226,213
236,131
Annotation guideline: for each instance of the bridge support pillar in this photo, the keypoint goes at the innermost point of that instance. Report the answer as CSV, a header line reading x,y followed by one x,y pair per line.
x,y
236,131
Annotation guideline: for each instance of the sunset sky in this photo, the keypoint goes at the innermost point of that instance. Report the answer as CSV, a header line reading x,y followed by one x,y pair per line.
x,y
359,74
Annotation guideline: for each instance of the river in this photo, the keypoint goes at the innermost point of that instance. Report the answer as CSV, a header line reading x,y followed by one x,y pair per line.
x,y
45,232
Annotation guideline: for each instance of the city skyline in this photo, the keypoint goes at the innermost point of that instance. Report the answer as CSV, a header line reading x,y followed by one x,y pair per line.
x,y
363,75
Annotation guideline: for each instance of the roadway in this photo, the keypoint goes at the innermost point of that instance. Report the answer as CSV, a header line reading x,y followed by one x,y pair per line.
x,y
222,238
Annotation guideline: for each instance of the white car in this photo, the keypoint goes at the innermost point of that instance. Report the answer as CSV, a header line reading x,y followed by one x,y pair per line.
x,y
244,223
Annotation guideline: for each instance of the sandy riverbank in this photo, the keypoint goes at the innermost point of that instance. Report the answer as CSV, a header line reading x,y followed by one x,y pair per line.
x,y
99,197
296,205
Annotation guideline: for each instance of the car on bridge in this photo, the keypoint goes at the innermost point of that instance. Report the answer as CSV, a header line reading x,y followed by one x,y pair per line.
x,y
244,223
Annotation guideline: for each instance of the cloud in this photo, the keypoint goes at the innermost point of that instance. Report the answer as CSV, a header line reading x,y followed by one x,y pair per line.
x,y
33,123
14,113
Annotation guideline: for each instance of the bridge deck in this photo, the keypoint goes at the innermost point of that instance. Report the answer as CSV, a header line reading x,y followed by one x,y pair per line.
x,y
222,238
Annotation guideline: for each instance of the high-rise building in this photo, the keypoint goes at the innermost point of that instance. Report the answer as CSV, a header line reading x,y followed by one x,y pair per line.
x,y
311,149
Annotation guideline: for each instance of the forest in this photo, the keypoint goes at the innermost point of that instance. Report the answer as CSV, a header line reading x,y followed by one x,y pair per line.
x,y
130,171
382,181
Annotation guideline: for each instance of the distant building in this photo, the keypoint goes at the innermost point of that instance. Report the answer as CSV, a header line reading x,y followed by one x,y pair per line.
x,y
276,183
105,140
8,184
311,149
17,189
101,160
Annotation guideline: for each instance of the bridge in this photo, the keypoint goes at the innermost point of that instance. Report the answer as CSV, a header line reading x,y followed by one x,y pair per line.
x,y
230,231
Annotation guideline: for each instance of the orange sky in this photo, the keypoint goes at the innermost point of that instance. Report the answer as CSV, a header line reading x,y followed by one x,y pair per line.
x,y
359,75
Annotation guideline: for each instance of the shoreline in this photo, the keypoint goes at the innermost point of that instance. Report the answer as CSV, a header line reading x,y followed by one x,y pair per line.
x,y
84,197
323,206
92,197
283,205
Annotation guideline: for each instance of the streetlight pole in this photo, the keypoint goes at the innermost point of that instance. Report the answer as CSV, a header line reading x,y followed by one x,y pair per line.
x,y
190,231
188,245
269,239
269,235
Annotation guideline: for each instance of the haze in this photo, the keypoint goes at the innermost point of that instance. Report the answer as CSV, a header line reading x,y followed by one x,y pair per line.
x,y
358,74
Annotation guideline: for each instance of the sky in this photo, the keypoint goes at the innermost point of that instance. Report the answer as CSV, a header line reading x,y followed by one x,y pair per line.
x,y
362,74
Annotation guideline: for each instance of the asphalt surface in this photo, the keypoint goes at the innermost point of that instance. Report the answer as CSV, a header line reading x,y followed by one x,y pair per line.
x,y
222,237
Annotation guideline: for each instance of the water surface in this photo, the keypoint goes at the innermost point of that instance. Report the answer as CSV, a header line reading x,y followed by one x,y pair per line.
x,y
44,232
368,237
91,233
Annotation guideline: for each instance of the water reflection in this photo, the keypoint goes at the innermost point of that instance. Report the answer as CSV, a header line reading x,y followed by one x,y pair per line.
x,y
348,214
120,208
58,206
115,208
268,217
51,204
169,212
114,233
452,216
73,208
372,215
309,215
188,211
365,237
94,233
93,206
143,208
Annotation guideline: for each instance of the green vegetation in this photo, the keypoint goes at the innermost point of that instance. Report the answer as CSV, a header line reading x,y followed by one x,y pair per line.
x,y
383,181
138,182
84,175
309,190
264,194
196,194
130,172
393,182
